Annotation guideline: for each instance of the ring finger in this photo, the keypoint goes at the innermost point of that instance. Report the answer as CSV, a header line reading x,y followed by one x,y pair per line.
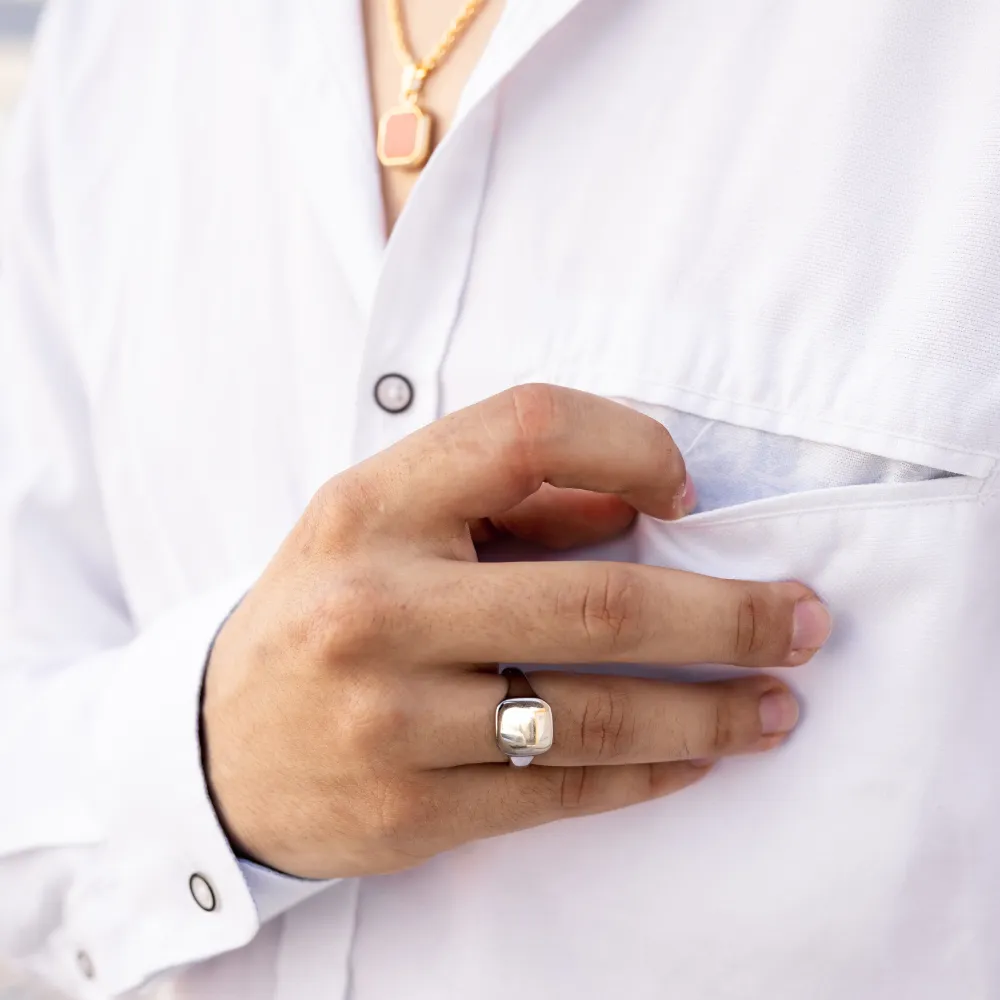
x,y
598,719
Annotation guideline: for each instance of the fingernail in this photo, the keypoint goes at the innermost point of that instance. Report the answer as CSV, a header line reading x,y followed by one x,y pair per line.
x,y
779,712
811,625
701,761
687,499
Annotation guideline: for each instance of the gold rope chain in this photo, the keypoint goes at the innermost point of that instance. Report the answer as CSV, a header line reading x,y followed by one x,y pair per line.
x,y
419,70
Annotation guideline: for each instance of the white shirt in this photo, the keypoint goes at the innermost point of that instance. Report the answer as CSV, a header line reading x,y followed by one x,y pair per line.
x,y
774,225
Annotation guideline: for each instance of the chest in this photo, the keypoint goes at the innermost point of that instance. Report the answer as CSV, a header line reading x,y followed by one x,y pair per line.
x,y
776,215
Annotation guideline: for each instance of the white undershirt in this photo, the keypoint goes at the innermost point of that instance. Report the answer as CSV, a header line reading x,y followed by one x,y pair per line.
x,y
732,464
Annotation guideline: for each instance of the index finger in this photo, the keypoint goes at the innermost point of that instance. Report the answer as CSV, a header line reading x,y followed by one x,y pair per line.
x,y
484,459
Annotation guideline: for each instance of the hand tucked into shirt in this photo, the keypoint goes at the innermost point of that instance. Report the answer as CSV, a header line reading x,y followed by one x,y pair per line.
x,y
349,717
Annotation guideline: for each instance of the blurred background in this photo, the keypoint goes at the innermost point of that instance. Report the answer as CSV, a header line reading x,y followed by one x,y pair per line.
x,y
17,24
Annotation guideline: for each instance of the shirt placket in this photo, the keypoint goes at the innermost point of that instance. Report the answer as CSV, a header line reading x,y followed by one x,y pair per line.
x,y
412,308
419,292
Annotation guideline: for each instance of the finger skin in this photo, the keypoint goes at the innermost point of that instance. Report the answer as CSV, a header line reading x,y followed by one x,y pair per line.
x,y
605,720
559,519
603,612
487,458
348,669
495,799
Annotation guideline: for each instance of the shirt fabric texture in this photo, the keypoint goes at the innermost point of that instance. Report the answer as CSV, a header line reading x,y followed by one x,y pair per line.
x,y
773,226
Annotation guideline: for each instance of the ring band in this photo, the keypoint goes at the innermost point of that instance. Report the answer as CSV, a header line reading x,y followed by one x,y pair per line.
x,y
523,722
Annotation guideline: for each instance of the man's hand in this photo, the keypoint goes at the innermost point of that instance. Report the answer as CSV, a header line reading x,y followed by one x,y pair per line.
x,y
350,700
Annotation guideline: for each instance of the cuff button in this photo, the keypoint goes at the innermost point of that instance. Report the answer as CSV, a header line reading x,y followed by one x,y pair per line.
x,y
202,892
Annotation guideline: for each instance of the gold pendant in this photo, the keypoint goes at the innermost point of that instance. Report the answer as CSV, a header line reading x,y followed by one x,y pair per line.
x,y
404,136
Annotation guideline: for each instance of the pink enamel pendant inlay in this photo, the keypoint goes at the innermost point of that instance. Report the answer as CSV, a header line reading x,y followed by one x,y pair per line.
x,y
404,136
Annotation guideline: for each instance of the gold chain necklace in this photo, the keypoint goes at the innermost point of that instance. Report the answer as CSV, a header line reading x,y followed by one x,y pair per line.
x,y
404,132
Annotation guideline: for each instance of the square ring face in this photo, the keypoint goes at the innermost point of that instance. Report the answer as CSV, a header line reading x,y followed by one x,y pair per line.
x,y
524,727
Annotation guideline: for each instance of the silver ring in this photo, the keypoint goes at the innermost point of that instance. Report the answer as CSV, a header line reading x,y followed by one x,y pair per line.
x,y
524,724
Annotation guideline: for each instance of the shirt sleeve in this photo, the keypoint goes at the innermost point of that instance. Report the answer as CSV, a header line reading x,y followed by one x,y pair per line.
x,y
113,866
274,893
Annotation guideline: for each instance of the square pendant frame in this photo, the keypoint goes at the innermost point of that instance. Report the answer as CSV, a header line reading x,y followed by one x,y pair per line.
x,y
421,140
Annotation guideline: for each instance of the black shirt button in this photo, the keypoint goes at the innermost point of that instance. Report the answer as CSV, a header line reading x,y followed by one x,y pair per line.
x,y
394,393
202,892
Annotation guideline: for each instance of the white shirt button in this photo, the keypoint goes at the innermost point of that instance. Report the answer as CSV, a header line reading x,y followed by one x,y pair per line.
x,y
85,965
394,393
202,892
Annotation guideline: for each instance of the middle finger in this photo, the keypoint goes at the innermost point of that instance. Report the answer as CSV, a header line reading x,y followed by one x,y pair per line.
x,y
605,612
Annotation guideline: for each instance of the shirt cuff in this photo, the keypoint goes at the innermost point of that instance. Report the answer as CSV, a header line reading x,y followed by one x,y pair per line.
x,y
274,893
167,890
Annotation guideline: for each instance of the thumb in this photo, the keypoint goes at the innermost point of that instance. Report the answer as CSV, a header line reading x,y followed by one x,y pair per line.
x,y
559,519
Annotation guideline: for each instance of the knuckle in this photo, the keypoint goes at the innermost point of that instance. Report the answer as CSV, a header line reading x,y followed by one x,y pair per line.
x,y
575,788
535,408
353,617
612,611
762,630
377,724
607,726
723,731
397,813
336,512
534,415
403,814
745,637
